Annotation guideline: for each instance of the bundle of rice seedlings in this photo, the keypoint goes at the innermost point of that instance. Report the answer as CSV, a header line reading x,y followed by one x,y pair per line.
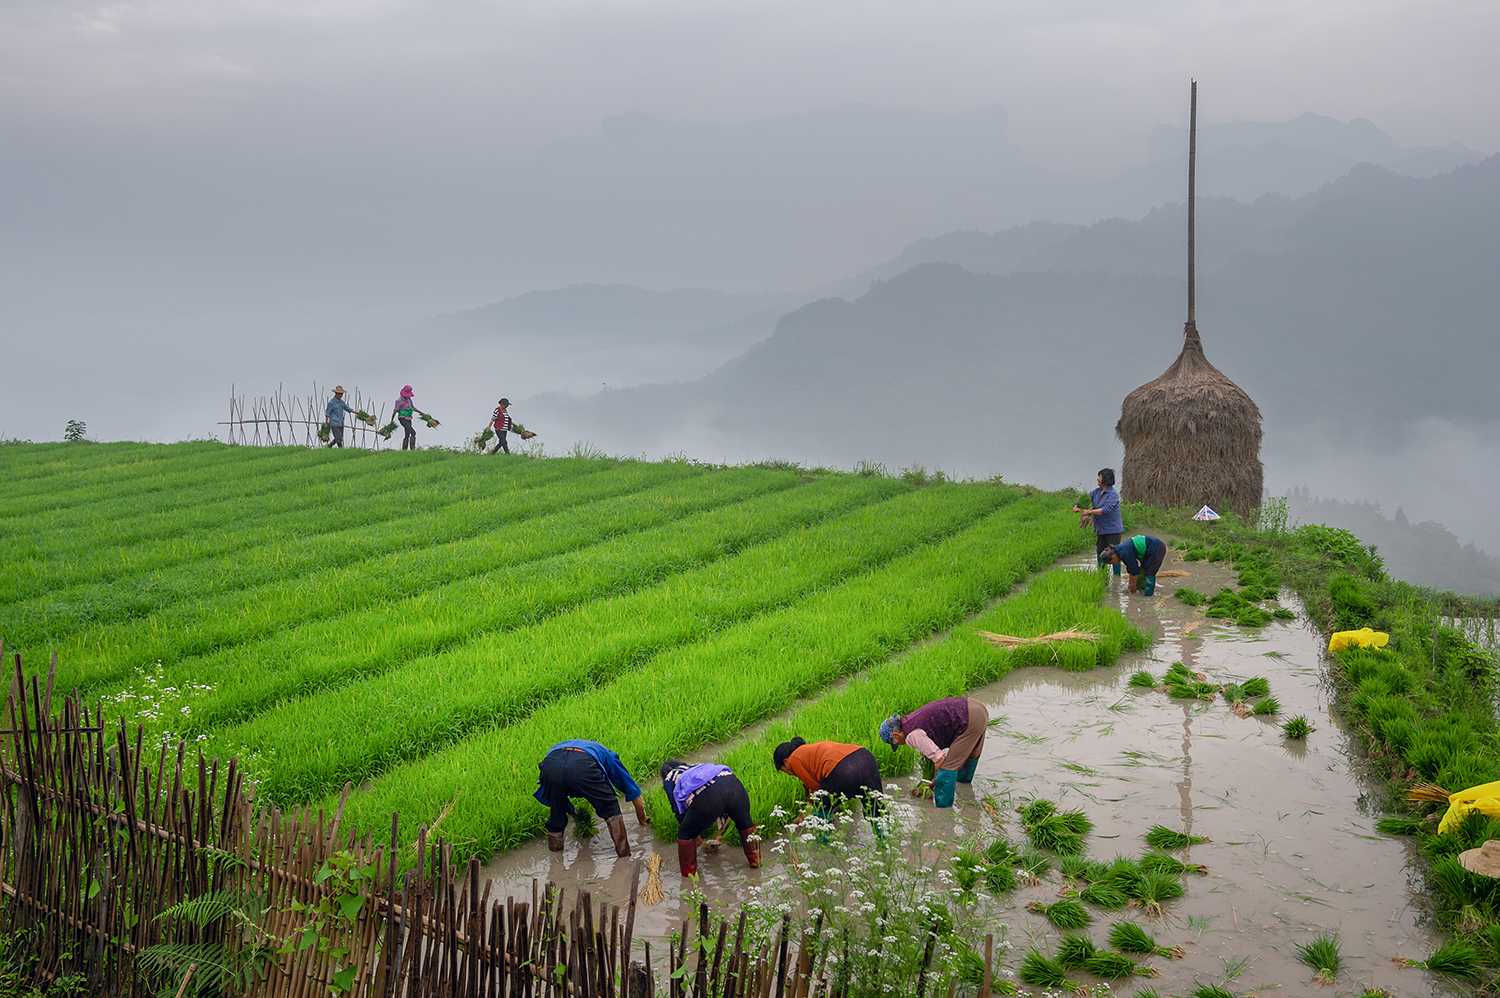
x,y
585,826
1233,693
1001,852
1104,895
483,438
1192,691
1033,862
1226,603
1322,955
1211,991
1252,616
431,421
1141,679
1065,914
1153,888
1177,668
1267,707
1053,834
1074,867
365,417
968,966
1282,613
1000,878
521,431
1163,838
1111,966
968,867
1010,641
1128,937
1191,596
1042,971
386,430
1257,687
652,893
1073,951
1036,810
1297,728
1398,826
1161,861
1457,958
1075,821
1121,870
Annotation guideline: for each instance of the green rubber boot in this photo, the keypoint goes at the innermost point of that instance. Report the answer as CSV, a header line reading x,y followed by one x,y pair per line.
x,y
1148,584
943,785
966,772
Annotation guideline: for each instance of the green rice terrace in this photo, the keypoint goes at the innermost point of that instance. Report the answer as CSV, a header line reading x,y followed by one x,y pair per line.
x,y
425,625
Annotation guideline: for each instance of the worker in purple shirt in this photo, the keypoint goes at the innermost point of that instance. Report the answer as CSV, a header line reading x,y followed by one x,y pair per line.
x,y
1109,525
1142,557
702,796
581,768
950,732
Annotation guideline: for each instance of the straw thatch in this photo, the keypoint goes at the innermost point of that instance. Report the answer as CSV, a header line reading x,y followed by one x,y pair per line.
x,y
1192,437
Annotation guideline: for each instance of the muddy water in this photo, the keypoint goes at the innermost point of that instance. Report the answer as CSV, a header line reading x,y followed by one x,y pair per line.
x,y
1293,849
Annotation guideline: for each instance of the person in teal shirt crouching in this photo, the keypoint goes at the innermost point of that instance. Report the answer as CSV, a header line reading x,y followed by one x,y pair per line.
x,y
1142,557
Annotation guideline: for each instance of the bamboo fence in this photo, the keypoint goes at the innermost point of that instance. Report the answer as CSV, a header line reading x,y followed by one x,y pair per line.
x,y
283,419
105,836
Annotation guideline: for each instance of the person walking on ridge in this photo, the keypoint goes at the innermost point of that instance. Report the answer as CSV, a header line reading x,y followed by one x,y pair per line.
x,y
333,414
1109,525
950,732
403,409
1142,557
502,423
581,768
848,772
701,796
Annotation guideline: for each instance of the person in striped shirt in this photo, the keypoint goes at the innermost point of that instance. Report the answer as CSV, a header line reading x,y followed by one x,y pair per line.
x,y
502,423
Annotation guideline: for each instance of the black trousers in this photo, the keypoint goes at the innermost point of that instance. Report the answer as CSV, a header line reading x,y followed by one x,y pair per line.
x,y
569,773
724,796
500,444
338,436
856,775
408,442
1102,541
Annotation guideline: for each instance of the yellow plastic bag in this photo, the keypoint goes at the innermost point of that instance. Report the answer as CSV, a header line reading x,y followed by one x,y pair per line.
x,y
1484,799
1362,638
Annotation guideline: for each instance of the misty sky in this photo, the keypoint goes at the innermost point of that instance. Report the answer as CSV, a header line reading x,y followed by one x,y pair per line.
x,y
254,191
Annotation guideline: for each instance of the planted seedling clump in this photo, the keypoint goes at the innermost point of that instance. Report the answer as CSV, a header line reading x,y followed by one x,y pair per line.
x,y
1322,955
1297,728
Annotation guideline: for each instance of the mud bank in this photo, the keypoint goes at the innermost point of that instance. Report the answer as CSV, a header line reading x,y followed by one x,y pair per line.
x,y
1293,850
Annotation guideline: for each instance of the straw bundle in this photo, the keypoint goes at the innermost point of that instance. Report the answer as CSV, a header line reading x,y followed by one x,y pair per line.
x,y
1173,573
652,893
1192,437
1429,793
1075,633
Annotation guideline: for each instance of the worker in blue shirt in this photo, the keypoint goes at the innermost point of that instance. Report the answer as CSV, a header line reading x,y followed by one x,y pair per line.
x,y
580,768
1142,557
334,415
1109,525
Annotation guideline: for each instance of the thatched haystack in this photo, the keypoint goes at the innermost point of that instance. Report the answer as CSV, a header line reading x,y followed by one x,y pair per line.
x,y
1192,437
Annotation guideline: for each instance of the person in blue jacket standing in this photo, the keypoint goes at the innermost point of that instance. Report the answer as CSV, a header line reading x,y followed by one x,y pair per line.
x,y
1109,525
334,414
581,768
1142,557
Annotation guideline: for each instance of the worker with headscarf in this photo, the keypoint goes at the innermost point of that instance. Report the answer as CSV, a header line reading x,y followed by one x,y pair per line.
x,y
843,772
581,768
334,415
404,408
950,732
1142,557
702,796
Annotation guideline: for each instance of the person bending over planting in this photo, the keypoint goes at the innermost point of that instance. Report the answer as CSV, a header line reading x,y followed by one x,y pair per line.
x,y
949,732
702,796
1142,558
579,768
1109,526
843,772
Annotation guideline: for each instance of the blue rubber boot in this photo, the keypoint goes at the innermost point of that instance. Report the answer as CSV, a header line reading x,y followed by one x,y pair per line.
x,y
943,785
1148,584
826,813
966,772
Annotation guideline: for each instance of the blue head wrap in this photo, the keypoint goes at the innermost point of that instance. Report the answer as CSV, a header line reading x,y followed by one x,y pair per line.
x,y
888,728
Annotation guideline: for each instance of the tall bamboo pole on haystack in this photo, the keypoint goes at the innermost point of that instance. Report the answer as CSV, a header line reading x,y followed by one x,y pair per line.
x,y
1192,436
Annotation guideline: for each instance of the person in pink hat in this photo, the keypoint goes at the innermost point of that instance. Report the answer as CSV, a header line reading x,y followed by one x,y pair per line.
x,y
404,409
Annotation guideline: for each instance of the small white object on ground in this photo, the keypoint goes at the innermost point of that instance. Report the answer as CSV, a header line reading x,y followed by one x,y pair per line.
x,y
1205,514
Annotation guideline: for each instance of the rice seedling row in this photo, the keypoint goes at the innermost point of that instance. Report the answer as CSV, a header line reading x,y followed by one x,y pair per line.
x,y
42,468
220,526
254,675
951,666
356,731
250,595
708,691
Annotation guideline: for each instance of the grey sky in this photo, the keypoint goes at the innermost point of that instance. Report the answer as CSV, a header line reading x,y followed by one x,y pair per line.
x,y
1083,81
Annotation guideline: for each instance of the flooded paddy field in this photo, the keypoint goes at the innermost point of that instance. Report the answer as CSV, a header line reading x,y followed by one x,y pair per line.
x,y
1293,852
